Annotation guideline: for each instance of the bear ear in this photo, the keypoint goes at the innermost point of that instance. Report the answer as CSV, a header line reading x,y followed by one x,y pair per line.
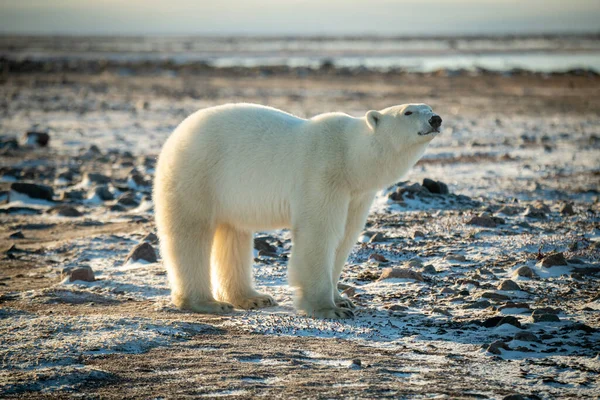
x,y
373,118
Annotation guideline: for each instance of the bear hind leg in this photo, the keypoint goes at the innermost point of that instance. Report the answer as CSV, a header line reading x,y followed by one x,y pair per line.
x,y
232,269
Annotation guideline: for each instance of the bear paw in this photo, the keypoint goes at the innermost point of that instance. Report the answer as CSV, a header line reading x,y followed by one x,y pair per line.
x,y
333,313
344,303
255,302
210,307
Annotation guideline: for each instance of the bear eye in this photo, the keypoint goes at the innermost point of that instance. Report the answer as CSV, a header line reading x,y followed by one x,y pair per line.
x,y
408,113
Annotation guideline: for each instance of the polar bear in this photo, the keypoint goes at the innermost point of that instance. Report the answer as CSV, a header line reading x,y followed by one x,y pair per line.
x,y
228,171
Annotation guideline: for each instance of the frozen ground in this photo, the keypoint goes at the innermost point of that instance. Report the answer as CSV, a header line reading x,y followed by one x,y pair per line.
x,y
514,152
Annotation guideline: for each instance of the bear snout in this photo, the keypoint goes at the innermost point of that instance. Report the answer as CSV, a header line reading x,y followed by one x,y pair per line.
x,y
435,121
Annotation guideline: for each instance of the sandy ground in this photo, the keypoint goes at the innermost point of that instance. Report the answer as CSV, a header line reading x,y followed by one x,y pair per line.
x,y
516,150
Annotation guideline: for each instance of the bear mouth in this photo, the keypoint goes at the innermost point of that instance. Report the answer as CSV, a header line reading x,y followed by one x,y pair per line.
x,y
436,130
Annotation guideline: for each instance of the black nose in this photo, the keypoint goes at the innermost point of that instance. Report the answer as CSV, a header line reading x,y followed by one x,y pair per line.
x,y
435,121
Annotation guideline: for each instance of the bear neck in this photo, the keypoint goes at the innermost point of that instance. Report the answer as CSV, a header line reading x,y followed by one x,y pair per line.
x,y
373,164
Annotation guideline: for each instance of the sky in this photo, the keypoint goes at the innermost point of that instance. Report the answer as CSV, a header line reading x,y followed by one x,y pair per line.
x,y
298,17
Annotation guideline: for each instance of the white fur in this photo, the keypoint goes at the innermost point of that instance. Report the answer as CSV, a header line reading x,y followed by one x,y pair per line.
x,y
231,170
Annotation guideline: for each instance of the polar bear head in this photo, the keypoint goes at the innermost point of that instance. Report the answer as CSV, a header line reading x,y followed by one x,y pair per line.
x,y
405,125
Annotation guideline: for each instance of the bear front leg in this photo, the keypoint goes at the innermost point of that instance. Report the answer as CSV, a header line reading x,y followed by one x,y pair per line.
x,y
358,211
316,235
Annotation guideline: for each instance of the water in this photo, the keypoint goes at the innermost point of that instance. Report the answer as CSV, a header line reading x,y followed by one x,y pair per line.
x,y
535,53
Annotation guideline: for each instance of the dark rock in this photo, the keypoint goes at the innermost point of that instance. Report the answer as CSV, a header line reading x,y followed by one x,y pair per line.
x,y
378,257
525,271
33,190
521,397
138,180
510,210
443,311
539,317
82,273
526,337
37,138
261,244
554,259
356,364
20,210
429,269
514,305
456,257
435,186
17,235
495,296
66,175
377,238
535,213
143,251
151,238
485,221
498,320
128,199
117,208
418,234
495,347
65,211
508,285
103,193
9,142
481,304
96,178
75,195
400,273
567,209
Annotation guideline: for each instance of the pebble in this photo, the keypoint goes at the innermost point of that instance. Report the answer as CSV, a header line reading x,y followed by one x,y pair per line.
x,y
128,199
37,138
33,190
554,259
65,211
429,269
526,337
495,296
97,178
485,221
377,238
401,273
418,234
437,187
567,209
508,285
524,271
378,257
143,251
495,347
539,317
17,235
456,257
481,304
415,262
151,238
535,213
82,273
356,364
510,210
103,193
261,244
498,320
442,311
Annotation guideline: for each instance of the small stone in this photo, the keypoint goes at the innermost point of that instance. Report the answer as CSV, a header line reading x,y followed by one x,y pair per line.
x,y
103,193
17,235
524,271
415,262
356,364
539,317
442,311
508,285
143,251
447,290
400,273
33,190
343,286
554,259
378,257
485,221
435,186
418,234
65,211
495,347
456,257
350,291
498,320
376,238
514,305
96,178
82,273
535,213
37,138
509,210
261,244
495,296
526,337
481,304
567,209
397,307
128,199
429,269
150,238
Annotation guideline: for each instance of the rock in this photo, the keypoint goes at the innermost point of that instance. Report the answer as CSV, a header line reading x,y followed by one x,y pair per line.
x,y
82,273
481,304
151,238
510,210
261,244
447,290
400,273
377,238
429,269
418,234
397,307
435,186
65,176
103,193
368,276
540,317
498,320
17,235
356,364
495,347
136,181
524,271
350,291
378,257
128,199
65,211
514,305
75,195
508,285
485,221
143,251
535,213
96,178
526,337
554,259
33,190
9,142
567,209
415,262
442,311
343,286
37,138
495,296
521,397
456,257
